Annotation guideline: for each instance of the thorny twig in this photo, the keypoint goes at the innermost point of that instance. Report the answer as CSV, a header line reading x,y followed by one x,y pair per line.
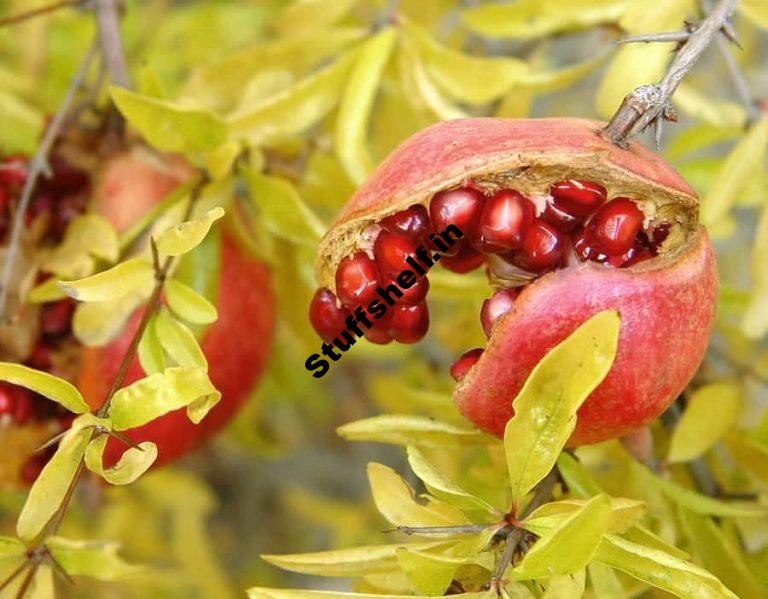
x,y
39,165
108,20
649,104
39,11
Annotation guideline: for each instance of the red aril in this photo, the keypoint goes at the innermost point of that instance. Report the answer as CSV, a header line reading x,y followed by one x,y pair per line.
x,y
379,332
542,248
576,197
415,294
357,279
585,250
465,362
13,171
390,251
503,222
23,409
459,207
613,228
7,400
559,218
408,323
466,260
326,316
497,306
412,222
56,317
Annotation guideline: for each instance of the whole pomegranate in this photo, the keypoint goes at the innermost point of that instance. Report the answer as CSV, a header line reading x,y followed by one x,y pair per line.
x,y
236,345
567,225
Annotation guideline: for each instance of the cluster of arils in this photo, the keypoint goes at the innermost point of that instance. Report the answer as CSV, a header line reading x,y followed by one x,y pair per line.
x,y
56,199
517,236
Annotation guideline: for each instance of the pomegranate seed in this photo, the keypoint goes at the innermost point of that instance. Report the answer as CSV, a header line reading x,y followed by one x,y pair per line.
x,y
660,233
459,207
66,178
326,316
7,399
503,222
379,332
56,317
357,279
3,200
559,218
414,294
409,324
579,198
40,358
22,405
585,251
412,222
640,255
13,171
496,306
461,367
542,248
613,228
390,251
466,260
32,468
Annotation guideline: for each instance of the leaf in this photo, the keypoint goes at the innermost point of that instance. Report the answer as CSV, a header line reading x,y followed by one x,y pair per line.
x,y
186,236
575,475
659,569
568,586
356,561
755,319
188,303
750,454
718,113
471,79
744,159
309,15
701,504
170,126
266,593
624,513
411,430
295,109
414,73
47,291
150,351
219,162
357,101
395,500
756,11
570,546
87,235
11,548
427,575
545,408
97,559
111,284
282,210
442,487
131,465
178,341
160,393
530,19
97,323
52,387
709,413
605,583
549,80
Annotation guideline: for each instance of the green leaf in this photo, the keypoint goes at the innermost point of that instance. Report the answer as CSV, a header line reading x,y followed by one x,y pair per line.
x,y
97,559
605,583
150,351
266,593
659,569
394,499
567,586
442,487
411,430
356,104
282,210
97,323
295,109
743,160
131,465
414,74
700,106
186,236
750,454
576,476
47,291
160,393
178,341
10,549
754,323
570,546
170,126
356,561
756,11
545,408
87,235
427,575
709,413
624,513
309,15
530,19
117,282
642,536
52,387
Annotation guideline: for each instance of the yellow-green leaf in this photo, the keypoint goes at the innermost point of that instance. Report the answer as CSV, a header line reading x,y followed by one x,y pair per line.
x,y
754,323
624,513
186,236
52,387
134,462
545,408
357,101
566,586
718,113
171,126
96,559
150,351
267,593
117,282
605,583
414,74
570,546
427,575
178,341
47,291
11,548
188,303
87,235
97,323
750,454
682,579
310,15
163,392
756,11
411,430
709,413
578,479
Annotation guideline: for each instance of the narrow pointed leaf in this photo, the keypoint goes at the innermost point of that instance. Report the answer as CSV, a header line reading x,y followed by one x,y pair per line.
x,y
96,559
11,549
186,236
188,303
112,284
428,576
150,351
411,430
52,387
178,341
131,465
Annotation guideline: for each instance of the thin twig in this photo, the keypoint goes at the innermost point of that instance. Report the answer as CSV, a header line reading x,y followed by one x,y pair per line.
x,y
647,38
108,21
27,580
442,530
39,11
14,575
648,103
39,165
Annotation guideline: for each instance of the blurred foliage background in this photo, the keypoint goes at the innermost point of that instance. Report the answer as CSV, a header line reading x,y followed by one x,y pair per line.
x,y
319,91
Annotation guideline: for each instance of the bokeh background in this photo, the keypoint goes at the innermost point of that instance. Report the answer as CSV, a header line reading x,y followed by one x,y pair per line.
x,y
280,479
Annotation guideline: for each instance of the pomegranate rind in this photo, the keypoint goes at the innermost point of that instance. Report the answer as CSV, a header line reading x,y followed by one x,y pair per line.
x,y
532,153
666,319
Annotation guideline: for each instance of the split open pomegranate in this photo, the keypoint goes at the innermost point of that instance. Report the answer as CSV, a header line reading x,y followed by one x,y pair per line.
x,y
567,225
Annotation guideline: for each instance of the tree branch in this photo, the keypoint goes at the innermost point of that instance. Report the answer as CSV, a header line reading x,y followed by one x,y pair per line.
x,y
108,21
38,166
39,11
649,104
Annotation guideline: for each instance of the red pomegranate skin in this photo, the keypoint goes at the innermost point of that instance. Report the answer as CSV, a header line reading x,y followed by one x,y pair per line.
x,y
236,345
667,306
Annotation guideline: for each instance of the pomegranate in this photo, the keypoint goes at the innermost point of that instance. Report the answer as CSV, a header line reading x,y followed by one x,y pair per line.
x,y
236,345
567,225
